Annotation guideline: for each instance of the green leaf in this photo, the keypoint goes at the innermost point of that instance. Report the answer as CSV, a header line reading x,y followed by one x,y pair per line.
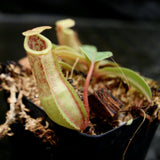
x,y
70,55
103,55
91,53
54,46
132,77
65,65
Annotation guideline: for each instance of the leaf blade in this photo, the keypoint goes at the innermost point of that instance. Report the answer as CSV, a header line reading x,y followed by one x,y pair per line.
x,y
93,55
89,52
133,78
103,55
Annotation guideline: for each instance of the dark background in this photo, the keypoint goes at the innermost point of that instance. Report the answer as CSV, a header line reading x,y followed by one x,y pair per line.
x,y
128,28
115,9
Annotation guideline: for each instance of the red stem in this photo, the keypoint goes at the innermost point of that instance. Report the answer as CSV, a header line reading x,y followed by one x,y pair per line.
x,y
85,92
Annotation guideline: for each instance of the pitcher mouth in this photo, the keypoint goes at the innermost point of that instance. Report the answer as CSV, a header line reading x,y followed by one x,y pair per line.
x,y
37,44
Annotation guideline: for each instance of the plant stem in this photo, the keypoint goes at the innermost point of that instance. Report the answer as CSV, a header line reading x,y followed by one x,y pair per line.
x,y
85,92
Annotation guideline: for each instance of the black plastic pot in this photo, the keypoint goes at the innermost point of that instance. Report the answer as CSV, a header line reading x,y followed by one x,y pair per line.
x,y
75,145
